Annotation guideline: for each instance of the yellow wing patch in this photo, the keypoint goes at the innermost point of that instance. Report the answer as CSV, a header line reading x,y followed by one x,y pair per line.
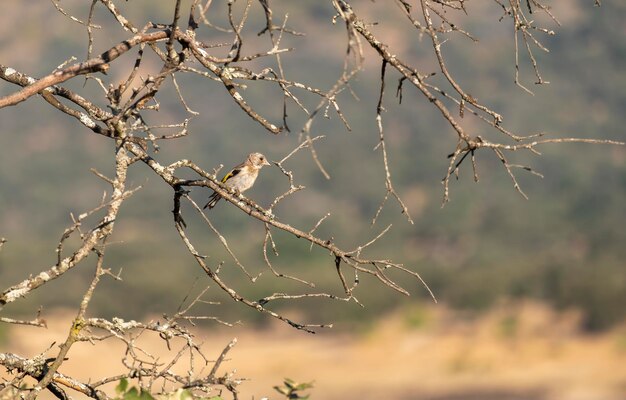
x,y
231,174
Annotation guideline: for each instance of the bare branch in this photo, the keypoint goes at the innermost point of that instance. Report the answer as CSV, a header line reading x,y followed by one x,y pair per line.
x,y
97,64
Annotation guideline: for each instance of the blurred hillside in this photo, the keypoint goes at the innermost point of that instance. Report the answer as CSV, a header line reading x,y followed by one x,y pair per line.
x,y
564,246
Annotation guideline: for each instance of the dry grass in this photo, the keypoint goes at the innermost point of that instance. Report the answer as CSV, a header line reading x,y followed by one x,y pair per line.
x,y
524,351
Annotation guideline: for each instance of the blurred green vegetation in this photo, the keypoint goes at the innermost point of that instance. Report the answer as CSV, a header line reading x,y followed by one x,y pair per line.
x,y
293,390
564,246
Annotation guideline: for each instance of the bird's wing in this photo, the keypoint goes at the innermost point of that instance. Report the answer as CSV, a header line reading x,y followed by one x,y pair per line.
x,y
235,171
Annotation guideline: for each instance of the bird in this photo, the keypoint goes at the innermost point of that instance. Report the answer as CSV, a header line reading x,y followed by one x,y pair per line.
x,y
240,178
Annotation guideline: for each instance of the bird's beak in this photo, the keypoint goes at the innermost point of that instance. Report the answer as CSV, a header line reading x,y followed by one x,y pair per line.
x,y
265,162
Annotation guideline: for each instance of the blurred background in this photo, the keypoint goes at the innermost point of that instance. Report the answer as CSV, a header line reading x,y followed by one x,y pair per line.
x,y
532,293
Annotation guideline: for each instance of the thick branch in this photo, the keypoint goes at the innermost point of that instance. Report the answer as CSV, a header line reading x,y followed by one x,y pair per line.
x,y
97,64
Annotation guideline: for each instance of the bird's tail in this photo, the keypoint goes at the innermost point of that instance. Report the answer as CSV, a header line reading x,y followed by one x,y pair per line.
x,y
215,197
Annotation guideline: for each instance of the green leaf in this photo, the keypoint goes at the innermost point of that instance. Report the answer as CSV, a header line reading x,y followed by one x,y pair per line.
x,y
185,395
282,390
145,395
304,386
121,387
132,394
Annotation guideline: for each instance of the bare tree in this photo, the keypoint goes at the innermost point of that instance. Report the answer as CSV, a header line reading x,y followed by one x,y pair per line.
x,y
186,46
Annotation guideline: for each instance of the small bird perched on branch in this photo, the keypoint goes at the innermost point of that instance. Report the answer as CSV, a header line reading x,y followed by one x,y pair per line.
x,y
242,177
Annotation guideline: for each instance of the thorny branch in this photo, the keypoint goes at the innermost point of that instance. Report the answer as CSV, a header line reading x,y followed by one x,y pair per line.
x,y
190,50
383,148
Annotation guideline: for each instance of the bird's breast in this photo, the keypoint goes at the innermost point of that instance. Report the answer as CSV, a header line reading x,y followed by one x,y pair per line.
x,y
242,181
